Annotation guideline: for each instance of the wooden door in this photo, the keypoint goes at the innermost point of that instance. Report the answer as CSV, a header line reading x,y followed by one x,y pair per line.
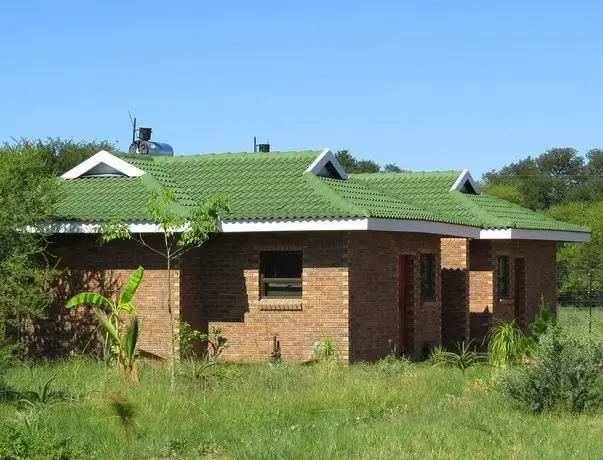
x,y
405,302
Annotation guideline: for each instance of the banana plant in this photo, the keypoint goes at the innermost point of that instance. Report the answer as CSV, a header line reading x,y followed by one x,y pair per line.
x,y
122,346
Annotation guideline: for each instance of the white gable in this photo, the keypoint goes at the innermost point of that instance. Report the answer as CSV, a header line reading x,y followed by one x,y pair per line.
x,y
466,184
105,163
326,164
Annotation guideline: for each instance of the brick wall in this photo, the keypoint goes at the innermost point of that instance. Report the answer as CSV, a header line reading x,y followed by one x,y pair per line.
x,y
86,266
222,282
540,279
455,290
374,302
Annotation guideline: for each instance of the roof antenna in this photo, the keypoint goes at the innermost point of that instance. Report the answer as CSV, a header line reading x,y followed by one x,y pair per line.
x,y
133,121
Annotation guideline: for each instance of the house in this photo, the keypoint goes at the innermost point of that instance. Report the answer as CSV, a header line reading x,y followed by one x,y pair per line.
x,y
373,261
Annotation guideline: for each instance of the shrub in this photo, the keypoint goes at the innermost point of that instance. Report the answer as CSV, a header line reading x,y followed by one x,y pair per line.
x,y
507,344
465,356
187,337
544,319
438,355
21,443
392,364
325,351
563,373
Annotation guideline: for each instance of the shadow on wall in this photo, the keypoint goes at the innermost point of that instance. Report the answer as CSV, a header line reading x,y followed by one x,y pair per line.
x,y
454,306
480,325
66,332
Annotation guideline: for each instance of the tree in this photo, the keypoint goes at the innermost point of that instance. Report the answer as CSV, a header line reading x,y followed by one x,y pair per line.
x,y
580,265
353,165
27,197
392,167
59,155
182,230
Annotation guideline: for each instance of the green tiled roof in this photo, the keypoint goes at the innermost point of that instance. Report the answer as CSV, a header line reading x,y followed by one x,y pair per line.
x,y
275,185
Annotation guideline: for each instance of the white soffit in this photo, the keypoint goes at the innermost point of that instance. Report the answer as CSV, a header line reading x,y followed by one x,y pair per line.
x,y
345,224
462,180
107,162
521,234
319,165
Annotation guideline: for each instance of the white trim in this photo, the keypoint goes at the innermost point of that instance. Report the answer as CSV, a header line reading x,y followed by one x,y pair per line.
x,y
103,157
422,226
286,225
343,224
521,234
318,165
464,177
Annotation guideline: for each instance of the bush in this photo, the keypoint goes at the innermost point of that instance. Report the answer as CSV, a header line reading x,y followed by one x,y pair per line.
x,y
507,344
544,319
564,372
21,443
325,351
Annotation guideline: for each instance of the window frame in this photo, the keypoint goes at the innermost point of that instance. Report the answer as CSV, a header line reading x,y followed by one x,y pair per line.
x,y
503,277
427,276
281,279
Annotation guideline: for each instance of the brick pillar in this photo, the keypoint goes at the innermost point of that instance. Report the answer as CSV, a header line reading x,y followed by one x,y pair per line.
x,y
455,287
481,287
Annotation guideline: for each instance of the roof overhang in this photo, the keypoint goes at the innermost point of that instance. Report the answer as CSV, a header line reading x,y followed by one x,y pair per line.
x,y
338,224
286,225
109,163
522,234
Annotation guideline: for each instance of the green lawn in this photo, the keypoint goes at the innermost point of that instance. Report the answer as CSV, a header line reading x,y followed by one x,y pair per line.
x,y
304,412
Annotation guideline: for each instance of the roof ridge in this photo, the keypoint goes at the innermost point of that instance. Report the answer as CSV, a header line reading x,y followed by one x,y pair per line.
x,y
333,196
408,173
238,155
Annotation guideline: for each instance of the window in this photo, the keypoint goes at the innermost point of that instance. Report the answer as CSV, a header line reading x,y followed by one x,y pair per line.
x,y
428,276
281,274
502,277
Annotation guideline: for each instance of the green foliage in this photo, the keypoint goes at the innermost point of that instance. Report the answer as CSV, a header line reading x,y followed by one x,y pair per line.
x,y
187,336
352,164
216,343
507,344
465,356
27,197
506,191
438,356
393,364
182,230
564,372
326,351
122,346
42,397
18,443
60,155
544,319
580,265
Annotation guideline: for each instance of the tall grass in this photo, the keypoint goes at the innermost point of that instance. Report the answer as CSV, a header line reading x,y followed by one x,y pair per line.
x,y
269,411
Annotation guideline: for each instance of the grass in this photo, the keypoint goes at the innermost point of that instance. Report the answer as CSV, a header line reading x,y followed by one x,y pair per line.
x,y
266,411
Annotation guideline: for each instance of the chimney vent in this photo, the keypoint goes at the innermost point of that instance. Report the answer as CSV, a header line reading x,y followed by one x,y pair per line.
x,y
264,147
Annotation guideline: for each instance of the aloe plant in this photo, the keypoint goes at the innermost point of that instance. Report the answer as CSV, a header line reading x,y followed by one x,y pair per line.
x,y
122,345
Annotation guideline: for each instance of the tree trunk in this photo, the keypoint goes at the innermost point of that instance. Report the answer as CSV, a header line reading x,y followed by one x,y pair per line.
x,y
131,373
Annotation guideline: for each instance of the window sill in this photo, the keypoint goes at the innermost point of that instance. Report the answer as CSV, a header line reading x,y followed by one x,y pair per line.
x,y
276,304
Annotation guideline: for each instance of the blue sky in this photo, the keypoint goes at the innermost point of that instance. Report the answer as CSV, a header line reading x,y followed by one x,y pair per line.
x,y
425,84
